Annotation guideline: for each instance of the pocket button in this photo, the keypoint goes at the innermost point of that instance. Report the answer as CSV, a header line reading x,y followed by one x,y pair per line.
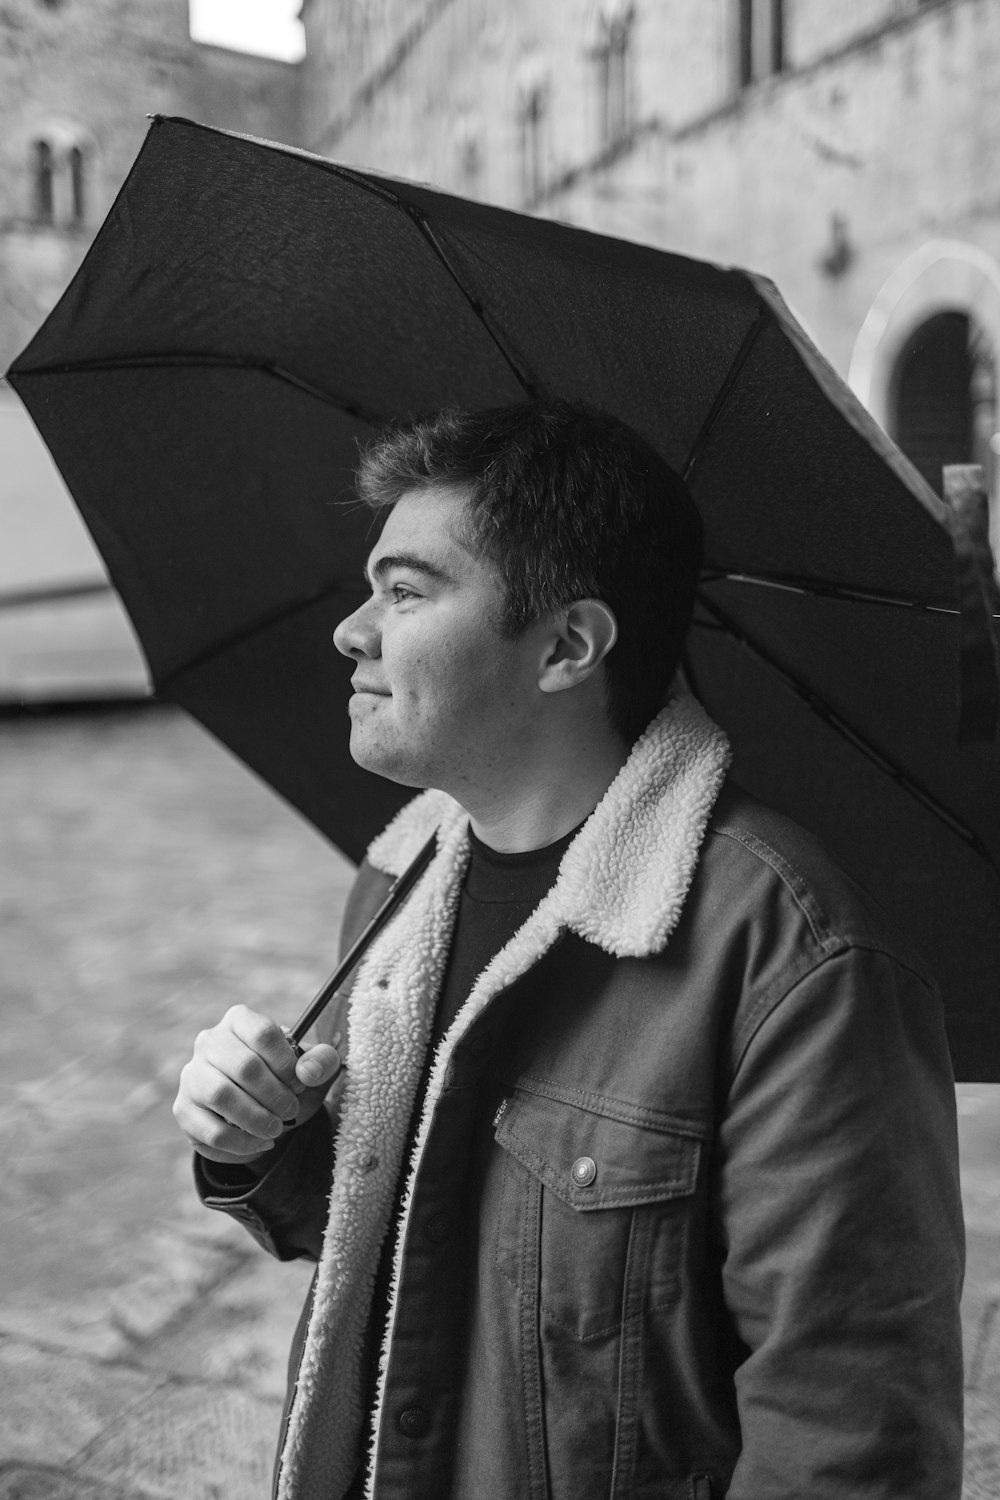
x,y
414,1422
583,1171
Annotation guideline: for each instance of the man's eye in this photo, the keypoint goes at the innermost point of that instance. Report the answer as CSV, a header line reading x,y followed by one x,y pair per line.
x,y
400,592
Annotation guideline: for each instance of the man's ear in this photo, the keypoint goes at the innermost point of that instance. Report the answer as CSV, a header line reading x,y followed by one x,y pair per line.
x,y
580,638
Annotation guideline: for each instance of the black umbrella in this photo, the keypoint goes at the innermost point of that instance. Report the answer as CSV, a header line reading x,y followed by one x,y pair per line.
x,y
248,312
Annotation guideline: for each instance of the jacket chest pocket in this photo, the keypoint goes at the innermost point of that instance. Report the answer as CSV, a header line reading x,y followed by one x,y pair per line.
x,y
591,1208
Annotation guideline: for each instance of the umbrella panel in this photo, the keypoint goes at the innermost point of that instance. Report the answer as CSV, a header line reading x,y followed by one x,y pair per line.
x,y
229,503
788,487
278,699
890,674
255,276
938,892
645,336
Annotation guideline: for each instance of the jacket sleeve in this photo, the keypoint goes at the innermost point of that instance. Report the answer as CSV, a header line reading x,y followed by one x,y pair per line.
x,y
285,1208
836,1195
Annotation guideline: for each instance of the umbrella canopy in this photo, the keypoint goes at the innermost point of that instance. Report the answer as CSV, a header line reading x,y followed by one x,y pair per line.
x,y
247,313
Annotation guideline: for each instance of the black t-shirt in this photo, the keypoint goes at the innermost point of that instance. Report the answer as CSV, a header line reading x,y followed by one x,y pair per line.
x,y
499,894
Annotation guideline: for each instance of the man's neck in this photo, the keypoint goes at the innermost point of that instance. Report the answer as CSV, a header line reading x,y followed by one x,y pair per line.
x,y
539,809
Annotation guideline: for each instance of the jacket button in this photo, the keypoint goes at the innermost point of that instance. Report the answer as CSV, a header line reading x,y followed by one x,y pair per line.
x,y
479,1045
413,1422
583,1171
438,1228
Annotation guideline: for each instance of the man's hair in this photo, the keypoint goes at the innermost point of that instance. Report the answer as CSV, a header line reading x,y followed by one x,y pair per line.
x,y
565,503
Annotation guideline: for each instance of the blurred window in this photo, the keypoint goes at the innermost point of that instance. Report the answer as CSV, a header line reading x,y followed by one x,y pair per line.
x,y
76,174
745,43
532,130
43,182
613,59
776,40
760,40
470,163
61,172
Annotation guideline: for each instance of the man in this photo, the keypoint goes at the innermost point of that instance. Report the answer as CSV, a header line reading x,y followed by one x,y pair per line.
x,y
642,1178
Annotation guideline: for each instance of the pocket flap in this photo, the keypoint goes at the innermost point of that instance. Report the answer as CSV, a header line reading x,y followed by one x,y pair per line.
x,y
593,1160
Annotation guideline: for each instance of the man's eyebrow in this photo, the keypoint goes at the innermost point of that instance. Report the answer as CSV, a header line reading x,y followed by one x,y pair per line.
x,y
376,571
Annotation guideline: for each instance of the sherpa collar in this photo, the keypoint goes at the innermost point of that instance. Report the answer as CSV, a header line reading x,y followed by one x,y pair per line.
x,y
621,885
622,882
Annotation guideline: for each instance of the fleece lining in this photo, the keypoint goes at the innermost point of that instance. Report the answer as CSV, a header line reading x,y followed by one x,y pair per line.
x,y
621,885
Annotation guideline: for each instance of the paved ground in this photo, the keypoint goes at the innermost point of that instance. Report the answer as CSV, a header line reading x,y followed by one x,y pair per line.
x,y
147,882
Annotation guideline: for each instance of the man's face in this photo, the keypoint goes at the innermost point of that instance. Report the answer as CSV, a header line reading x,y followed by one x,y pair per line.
x,y
440,699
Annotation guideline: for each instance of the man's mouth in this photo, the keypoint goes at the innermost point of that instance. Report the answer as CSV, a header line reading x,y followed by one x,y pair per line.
x,y
370,689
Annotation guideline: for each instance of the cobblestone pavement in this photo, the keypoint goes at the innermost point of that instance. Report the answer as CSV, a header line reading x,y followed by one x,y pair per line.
x,y
146,883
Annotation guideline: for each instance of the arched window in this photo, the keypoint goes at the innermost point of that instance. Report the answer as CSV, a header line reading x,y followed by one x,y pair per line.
x,y
63,157
943,396
43,182
76,163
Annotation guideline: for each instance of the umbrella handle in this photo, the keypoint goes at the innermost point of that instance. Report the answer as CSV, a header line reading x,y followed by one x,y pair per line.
x,y
397,893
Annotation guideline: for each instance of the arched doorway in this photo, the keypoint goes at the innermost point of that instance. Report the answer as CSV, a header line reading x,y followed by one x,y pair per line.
x,y
942,398
960,281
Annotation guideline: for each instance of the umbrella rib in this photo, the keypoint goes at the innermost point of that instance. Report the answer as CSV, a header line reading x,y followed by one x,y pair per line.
x,y
824,590
840,725
725,390
474,303
206,361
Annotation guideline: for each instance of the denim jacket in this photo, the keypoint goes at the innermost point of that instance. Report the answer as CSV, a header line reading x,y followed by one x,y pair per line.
x,y
682,1215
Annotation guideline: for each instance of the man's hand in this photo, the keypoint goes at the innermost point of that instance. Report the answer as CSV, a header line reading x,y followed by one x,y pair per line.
x,y
244,1087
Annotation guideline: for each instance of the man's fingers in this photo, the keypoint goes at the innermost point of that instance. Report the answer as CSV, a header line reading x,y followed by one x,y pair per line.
x,y
250,1070
219,1139
263,1037
206,1087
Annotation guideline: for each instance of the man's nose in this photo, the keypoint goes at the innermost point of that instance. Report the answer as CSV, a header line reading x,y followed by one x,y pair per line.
x,y
359,634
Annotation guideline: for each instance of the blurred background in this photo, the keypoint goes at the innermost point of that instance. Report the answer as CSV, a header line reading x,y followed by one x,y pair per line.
x,y
846,150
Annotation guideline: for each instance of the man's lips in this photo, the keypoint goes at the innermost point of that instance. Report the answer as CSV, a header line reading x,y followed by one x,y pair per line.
x,y
370,689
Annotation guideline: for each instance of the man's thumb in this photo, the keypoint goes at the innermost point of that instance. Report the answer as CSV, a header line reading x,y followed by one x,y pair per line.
x,y
319,1065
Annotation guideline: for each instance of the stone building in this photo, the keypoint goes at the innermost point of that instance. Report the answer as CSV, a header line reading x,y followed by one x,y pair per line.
x,y
846,150
77,81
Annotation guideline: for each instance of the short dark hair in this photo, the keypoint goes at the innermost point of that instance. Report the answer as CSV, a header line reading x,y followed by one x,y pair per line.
x,y
566,503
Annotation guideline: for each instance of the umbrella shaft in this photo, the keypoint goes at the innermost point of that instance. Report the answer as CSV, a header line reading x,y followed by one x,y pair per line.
x,y
398,892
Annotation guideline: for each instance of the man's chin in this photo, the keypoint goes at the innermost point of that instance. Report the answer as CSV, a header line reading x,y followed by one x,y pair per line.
x,y
383,762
